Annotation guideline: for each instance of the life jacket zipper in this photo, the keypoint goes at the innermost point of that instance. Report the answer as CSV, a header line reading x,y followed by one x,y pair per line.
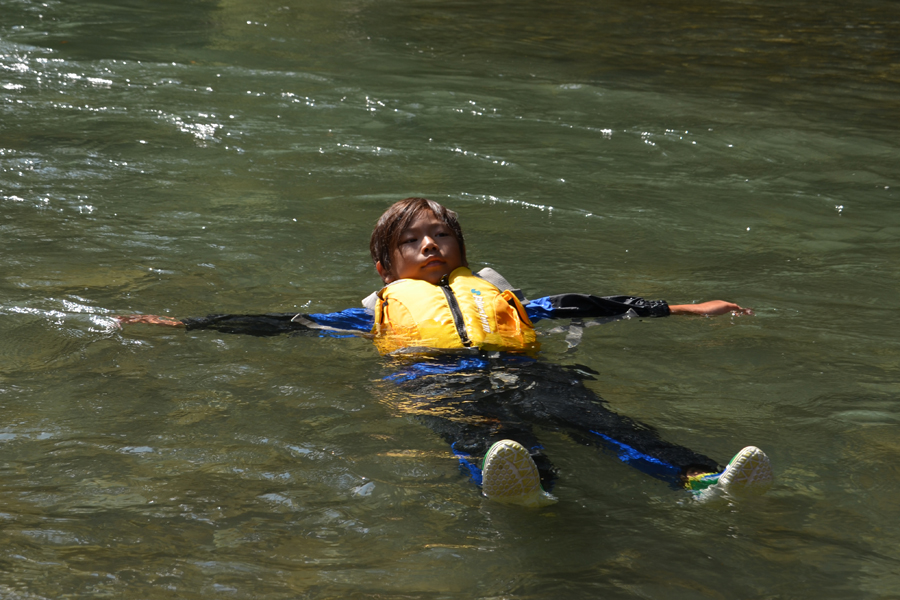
x,y
455,311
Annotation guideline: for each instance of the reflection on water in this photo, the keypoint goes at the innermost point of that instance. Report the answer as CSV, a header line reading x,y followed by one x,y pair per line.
x,y
186,158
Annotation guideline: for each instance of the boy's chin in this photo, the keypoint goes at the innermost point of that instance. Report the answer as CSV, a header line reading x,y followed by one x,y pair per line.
x,y
436,275
431,275
432,278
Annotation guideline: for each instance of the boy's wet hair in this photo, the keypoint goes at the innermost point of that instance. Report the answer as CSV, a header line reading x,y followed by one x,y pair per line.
x,y
386,236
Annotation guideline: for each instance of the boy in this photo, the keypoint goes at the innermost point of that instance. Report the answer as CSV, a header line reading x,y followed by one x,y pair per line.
x,y
481,389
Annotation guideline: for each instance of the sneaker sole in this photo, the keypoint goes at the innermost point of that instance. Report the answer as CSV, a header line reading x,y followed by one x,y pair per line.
x,y
748,474
509,475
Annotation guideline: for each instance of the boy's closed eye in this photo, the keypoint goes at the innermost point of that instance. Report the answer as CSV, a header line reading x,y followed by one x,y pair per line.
x,y
413,240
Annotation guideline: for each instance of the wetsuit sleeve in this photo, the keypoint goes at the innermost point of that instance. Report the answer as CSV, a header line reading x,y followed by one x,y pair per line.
x,y
258,325
345,322
584,306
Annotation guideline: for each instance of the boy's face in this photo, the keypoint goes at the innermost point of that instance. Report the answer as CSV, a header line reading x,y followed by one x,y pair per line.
x,y
427,250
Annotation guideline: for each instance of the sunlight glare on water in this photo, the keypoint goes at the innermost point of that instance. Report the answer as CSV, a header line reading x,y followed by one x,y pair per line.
x,y
187,158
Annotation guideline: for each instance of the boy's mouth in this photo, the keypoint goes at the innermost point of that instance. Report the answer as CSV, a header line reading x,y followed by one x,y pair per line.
x,y
433,261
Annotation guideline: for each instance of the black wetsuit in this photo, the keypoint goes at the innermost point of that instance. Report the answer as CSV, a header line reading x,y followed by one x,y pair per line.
x,y
474,400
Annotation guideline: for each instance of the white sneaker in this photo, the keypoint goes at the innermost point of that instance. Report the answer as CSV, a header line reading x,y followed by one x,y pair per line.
x,y
749,473
509,475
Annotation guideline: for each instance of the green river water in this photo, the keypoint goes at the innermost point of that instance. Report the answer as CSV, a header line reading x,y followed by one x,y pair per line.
x,y
186,158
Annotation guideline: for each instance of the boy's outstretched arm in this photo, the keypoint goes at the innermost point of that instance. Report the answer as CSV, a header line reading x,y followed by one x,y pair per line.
x,y
584,306
258,325
711,308
351,321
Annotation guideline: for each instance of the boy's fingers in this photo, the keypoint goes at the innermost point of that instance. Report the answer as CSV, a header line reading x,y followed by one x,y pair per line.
x,y
737,310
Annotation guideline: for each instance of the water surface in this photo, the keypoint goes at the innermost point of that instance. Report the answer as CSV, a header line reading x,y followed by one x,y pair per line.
x,y
183,158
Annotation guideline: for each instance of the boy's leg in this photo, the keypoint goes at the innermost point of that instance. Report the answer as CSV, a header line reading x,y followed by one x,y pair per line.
x,y
470,412
496,459
557,396
470,443
475,409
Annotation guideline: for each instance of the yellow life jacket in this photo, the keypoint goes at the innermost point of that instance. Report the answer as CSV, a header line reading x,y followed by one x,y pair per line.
x,y
462,311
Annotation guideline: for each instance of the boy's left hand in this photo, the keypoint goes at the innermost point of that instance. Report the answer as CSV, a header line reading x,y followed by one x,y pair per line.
x,y
710,309
148,319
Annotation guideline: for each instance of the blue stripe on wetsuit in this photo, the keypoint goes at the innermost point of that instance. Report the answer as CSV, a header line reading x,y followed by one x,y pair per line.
x,y
642,462
358,319
465,463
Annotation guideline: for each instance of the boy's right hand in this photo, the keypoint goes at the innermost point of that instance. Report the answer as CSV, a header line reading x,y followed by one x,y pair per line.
x,y
148,319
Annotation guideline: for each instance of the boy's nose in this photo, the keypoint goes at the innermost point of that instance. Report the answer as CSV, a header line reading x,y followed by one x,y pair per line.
x,y
428,242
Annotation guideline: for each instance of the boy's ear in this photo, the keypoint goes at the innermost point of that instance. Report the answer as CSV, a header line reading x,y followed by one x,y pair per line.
x,y
385,275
